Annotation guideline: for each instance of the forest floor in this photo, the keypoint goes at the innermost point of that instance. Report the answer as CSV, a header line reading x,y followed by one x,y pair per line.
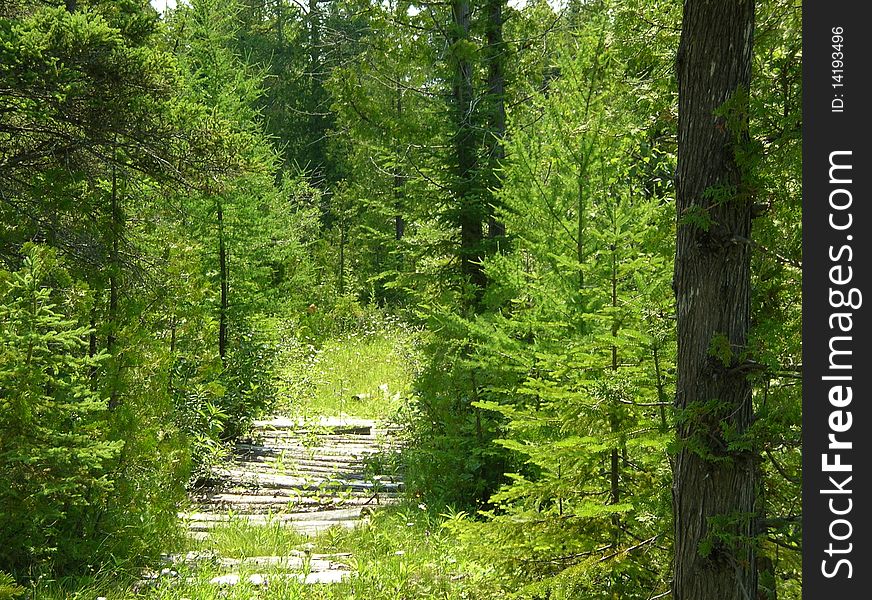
x,y
309,505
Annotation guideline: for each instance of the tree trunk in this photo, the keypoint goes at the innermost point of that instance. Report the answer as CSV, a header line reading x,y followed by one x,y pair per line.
x,y
579,241
470,214
496,81
614,423
92,342
399,222
661,391
342,240
115,226
713,485
318,102
223,279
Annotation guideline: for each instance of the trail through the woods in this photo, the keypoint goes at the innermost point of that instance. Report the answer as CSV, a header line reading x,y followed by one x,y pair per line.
x,y
307,475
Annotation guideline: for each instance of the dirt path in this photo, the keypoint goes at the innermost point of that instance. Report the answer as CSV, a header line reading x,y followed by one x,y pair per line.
x,y
308,475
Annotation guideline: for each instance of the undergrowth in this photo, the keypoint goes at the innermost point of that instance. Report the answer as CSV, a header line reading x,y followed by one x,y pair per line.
x,y
402,552
365,371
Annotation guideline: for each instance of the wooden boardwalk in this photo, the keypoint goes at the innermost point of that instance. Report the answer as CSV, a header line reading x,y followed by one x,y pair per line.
x,y
307,475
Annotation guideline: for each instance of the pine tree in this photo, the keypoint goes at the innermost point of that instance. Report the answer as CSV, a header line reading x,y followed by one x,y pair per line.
x,y
54,450
573,367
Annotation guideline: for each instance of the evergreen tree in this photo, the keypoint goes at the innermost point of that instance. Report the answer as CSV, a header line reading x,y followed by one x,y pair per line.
x,y
54,451
577,360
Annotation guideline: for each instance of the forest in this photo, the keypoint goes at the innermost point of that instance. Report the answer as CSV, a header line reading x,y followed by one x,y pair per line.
x,y
546,252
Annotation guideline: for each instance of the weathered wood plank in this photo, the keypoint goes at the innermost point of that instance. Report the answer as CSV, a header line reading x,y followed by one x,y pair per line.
x,y
303,474
258,579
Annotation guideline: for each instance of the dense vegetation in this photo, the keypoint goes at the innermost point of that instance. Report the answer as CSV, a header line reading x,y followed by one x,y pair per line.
x,y
476,216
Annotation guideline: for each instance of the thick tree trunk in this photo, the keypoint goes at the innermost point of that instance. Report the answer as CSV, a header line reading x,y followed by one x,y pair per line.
x,y
713,485
470,214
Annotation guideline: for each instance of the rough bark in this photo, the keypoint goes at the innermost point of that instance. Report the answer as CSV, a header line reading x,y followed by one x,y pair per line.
x,y
714,485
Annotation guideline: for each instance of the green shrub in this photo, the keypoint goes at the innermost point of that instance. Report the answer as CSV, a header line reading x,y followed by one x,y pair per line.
x,y
8,588
81,486
453,460
54,450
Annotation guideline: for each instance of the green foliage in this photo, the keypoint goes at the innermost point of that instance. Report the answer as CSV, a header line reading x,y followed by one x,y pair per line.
x,y
402,552
227,197
9,590
776,340
725,534
697,216
453,461
53,431
721,349
554,402
77,488
366,371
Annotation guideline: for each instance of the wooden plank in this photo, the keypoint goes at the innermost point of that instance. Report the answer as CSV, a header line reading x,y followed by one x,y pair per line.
x,y
322,515
303,563
318,424
259,579
306,483
307,475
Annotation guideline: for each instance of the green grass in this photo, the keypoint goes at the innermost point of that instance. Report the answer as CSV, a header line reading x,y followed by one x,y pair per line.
x,y
403,553
239,539
362,374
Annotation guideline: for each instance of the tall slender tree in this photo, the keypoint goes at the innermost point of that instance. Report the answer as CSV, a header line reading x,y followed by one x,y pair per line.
x,y
469,210
229,91
496,90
